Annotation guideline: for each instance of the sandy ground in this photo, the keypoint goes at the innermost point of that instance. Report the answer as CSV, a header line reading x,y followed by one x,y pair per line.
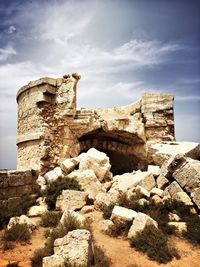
x,y
117,249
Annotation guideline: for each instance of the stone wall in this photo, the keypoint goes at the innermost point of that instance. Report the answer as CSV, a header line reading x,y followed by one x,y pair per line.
x,y
15,184
50,128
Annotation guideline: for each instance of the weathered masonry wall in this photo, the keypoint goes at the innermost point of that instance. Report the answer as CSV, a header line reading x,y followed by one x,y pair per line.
x,y
50,128
14,185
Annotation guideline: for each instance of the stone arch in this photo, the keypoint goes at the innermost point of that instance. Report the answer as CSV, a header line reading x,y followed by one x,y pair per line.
x,y
127,152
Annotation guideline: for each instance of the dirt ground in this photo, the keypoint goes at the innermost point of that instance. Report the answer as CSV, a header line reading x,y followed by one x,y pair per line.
x,y
117,249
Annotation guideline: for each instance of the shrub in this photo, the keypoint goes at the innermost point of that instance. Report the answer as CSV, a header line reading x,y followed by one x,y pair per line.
x,y
100,259
21,208
121,229
13,264
50,218
18,233
107,210
154,243
34,172
70,223
193,229
54,189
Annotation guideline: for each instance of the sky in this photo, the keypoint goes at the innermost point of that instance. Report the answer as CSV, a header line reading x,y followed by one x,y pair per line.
x,y
121,49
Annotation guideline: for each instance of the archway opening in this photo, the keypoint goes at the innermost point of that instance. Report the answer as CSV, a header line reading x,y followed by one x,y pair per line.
x,y
125,151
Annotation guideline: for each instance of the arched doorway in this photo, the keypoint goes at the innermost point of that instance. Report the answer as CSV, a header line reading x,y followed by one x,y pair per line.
x,y
127,152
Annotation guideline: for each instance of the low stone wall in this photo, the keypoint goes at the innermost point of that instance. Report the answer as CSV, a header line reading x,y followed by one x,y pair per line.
x,y
15,184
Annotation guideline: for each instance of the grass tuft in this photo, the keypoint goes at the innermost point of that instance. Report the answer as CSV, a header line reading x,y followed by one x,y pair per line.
x,y
50,218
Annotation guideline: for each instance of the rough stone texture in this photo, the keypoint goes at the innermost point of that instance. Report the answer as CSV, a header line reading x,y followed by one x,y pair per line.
x,y
126,181
98,162
75,248
159,152
172,189
69,165
71,200
37,210
106,226
53,261
41,181
88,182
155,170
139,223
183,197
141,192
156,191
53,175
80,218
105,199
162,181
51,129
15,184
121,214
180,227
196,197
23,219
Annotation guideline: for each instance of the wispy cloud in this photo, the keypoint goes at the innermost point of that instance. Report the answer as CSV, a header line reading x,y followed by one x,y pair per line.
x,y
6,52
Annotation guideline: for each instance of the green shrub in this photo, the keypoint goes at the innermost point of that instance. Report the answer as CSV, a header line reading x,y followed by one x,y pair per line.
x,y
193,229
70,223
18,233
50,218
13,264
54,189
107,210
121,229
34,172
155,244
100,259
21,208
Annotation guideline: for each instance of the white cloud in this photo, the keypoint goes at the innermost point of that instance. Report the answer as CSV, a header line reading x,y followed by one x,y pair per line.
x,y
11,29
6,52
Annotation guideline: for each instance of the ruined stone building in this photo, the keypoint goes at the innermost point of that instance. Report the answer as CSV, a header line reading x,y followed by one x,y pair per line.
x,y
51,128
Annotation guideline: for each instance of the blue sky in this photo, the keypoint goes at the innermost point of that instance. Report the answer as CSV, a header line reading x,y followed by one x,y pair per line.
x,y
121,48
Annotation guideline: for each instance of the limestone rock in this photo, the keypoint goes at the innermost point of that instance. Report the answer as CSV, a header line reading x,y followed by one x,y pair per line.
x,y
80,218
53,261
172,164
23,219
121,215
139,223
106,226
105,199
155,170
196,197
173,217
142,192
183,197
188,175
98,162
156,199
69,165
156,191
181,227
87,209
88,182
71,200
37,210
51,176
75,248
41,182
173,188
126,181
143,201
159,152
162,181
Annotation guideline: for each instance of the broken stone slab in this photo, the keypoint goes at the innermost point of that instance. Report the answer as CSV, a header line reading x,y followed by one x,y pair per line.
x,y
156,191
68,165
41,182
124,182
23,219
172,189
71,200
162,181
183,197
106,226
195,195
172,164
106,199
75,248
53,175
80,218
88,182
156,199
173,217
98,162
159,152
141,191
53,261
155,170
139,223
122,215
37,210
188,175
